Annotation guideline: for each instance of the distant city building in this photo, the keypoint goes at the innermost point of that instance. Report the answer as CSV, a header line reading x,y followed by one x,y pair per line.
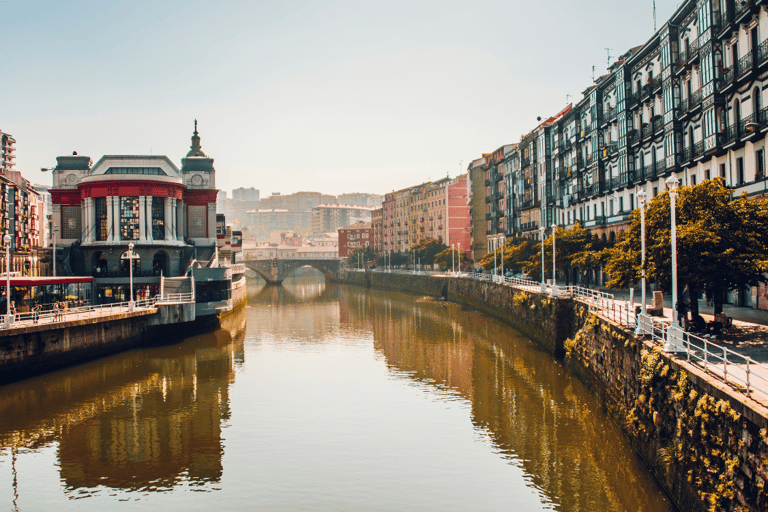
x,y
7,152
330,217
246,195
263,222
377,230
354,236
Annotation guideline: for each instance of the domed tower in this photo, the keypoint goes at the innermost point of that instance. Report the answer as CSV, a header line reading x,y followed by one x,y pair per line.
x,y
199,176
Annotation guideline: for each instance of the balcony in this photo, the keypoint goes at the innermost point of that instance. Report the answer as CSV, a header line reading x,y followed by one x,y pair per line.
x,y
762,53
746,64
609,115
526,162
732,134
646,131
742,9
694,101
698,150
749,125
686,155
633,137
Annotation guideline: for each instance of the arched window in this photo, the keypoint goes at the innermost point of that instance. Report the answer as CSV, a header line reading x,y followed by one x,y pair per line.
x,y
756,103
160,264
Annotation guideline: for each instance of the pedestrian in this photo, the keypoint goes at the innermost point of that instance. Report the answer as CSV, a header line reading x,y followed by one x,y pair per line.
x,y
683,303
35,312
56,311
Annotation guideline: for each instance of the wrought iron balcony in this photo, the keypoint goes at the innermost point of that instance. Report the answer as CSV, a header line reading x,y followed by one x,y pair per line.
x,y
647,131
746,64
686,155
698,149
732,134
694,100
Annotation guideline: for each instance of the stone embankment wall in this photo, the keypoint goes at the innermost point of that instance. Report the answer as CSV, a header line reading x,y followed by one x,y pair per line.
x,y
706,442
35,349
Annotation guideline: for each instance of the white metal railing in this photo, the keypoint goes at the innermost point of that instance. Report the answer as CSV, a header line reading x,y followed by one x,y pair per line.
x,y
91,311
722,362
176,298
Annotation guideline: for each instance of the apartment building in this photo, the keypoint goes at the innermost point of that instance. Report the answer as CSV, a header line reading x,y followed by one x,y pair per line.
x,y
689,102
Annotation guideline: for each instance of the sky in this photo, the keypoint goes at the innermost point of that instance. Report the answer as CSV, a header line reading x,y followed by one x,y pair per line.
x,y
329,96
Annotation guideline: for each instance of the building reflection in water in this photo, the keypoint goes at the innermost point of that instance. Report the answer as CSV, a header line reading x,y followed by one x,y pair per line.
x,y
141,420
522,400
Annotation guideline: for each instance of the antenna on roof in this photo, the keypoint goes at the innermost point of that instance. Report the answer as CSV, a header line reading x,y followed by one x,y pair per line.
x,y
593,74
608,51
567,96
654,16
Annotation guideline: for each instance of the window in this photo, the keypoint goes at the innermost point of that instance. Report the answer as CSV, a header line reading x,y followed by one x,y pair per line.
x,y
759,165
135,170
693,179
740,171
158,218
722,170
197,221
706,174
621,204
102,230
71,222
129,218
655,191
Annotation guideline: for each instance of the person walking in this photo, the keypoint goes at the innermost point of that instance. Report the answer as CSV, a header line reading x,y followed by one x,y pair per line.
x,y
35,312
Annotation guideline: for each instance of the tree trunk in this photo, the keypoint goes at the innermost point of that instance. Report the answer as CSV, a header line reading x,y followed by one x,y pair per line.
x,y
694,293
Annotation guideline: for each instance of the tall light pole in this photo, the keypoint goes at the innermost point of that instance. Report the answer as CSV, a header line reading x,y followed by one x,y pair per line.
x,y
494,245
459,244
53,232
7,242
641,202
501,258
554,227
543,284
131,304
672,183
453,259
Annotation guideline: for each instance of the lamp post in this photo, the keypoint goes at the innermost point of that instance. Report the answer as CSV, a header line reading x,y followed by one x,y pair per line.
x,y
501,259
54,228
674,340
494,245
672,183
459,245
554,227
641,202
453,259
543,284
131,304
7,242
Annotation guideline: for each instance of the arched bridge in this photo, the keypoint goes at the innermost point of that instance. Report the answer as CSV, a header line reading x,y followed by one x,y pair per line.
x,y
274,270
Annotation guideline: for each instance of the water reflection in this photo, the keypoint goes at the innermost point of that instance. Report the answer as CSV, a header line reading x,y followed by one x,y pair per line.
x,y
534,413
141,420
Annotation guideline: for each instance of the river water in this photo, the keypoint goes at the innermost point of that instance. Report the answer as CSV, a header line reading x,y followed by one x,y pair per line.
x,y
324,398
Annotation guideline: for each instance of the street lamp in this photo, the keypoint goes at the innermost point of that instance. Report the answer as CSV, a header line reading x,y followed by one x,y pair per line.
x,y
494,245
459,245
672,183
453,259
501,259
641,202
131,304
7,242
543,284
554,227
54,229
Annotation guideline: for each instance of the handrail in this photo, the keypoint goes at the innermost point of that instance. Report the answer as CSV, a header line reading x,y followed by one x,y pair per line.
x,y
722,362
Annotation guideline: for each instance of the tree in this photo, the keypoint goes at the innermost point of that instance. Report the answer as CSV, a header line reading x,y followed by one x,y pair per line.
x,y
448,259
427,249
569,243
365,253
722,244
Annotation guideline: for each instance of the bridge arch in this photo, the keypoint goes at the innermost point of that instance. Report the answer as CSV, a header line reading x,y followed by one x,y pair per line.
x,y
274,270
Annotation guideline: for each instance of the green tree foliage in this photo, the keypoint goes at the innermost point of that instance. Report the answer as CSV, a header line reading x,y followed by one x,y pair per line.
x,y
722,244
427,249
574,243
448,259
366,256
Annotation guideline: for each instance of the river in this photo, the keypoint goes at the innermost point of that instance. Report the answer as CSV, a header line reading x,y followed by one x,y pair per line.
x,y
321,398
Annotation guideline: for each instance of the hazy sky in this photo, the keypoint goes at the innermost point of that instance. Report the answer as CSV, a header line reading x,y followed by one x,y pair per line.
x,y
331,96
